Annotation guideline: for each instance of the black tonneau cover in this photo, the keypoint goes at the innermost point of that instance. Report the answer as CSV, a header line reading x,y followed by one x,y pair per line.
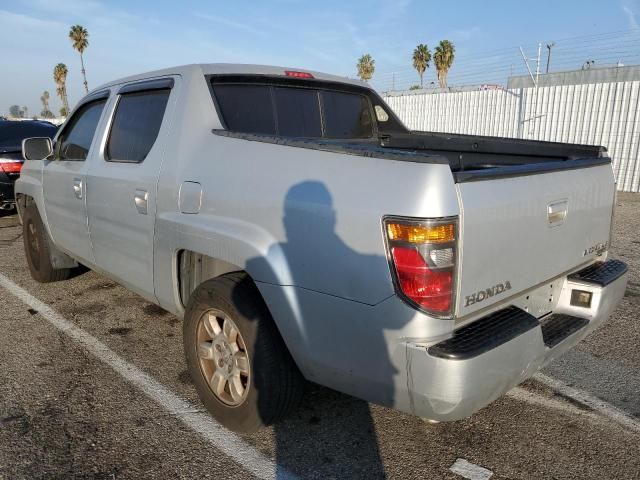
x,y
472,152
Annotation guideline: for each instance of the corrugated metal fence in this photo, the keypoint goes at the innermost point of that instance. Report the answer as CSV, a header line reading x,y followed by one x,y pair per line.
x,y
598,113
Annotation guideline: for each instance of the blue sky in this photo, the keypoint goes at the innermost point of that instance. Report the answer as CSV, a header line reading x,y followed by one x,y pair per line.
x,y
129,37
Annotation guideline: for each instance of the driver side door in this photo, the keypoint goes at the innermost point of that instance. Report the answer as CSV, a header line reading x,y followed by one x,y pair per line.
x,y
64,180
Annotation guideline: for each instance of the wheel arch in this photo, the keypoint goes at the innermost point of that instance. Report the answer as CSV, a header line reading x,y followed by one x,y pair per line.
x,y
193,269
211,246
59,259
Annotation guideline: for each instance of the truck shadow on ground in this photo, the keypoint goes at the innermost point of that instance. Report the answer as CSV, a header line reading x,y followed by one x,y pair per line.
x,y
332,435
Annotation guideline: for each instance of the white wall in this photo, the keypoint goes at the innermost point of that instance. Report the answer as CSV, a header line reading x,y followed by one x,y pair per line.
x,y
599,113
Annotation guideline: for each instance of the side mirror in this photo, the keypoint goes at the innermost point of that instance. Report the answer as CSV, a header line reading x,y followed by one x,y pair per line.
x,y
37,148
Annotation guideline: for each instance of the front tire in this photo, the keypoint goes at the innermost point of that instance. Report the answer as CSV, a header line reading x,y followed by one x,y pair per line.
x,y
237,360
36,248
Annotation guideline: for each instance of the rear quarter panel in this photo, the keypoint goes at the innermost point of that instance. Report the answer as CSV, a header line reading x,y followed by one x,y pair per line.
x,y
302,217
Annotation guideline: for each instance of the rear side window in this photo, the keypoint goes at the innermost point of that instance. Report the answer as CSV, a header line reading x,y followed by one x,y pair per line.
x,y
293,111
298,112
75,140
346,115
136,124
247,108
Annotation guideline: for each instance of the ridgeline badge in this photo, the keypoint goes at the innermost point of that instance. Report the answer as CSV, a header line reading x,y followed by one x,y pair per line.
x,y
598,249
486,293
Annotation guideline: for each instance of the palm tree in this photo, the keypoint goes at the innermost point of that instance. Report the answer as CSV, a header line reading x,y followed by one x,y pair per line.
x,y
366,66
80,40
60,77
443,57
44,98
421,59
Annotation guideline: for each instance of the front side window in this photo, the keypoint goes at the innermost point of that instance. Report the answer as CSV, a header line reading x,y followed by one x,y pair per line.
x,y
75,140
136,124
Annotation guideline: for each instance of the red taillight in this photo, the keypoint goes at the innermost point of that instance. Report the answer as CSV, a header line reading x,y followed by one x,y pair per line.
x,y
10,166
294,74
423,257
428,288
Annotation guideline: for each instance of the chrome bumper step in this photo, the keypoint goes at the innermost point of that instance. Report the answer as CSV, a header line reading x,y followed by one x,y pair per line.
x,y
485,334
602,273
557,327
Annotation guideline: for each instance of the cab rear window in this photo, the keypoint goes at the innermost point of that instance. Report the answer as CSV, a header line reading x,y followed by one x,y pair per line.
x,y
346,115
293,111
297,112
247,108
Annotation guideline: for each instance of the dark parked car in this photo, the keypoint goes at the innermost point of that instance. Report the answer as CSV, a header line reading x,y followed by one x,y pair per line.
x,y
11,135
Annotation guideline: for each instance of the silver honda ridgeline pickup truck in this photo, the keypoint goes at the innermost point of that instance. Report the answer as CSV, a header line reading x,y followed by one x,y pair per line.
x,y
302,232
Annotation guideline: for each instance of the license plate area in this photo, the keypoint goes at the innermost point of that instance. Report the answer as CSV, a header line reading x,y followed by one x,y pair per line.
x,y
542,300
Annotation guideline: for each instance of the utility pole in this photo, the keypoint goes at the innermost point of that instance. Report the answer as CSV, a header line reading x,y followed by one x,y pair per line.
x,y
526,62
549,47
393,81
535,81
538,63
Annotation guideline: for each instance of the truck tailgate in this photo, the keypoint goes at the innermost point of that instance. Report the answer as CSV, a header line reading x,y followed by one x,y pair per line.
x,y
521,231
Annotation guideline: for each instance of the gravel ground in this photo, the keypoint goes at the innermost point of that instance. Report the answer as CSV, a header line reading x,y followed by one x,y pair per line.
x,y
63,413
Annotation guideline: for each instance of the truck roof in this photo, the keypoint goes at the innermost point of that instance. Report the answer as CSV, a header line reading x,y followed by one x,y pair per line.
x,y
231,69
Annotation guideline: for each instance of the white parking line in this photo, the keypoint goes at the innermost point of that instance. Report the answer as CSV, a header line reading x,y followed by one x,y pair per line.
x,y
534,398
597,408
227,442
470,470
600,406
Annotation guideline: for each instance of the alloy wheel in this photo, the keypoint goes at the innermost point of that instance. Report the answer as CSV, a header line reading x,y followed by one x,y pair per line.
x,y
223,357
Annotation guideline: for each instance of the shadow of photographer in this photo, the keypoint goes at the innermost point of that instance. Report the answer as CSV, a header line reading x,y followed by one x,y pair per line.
x,y
334,342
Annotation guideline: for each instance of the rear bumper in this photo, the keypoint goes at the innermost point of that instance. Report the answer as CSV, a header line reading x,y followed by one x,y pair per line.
x,y
482,361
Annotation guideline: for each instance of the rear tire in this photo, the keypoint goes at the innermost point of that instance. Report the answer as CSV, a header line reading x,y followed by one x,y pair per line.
x,y
263,382
36,248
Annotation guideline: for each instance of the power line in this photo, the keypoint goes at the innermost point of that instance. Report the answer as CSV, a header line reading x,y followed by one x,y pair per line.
x,y
607,48
606,39
616,48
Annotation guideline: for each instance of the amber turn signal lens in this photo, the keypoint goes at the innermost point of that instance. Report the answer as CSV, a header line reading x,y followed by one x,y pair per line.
x,y
421,233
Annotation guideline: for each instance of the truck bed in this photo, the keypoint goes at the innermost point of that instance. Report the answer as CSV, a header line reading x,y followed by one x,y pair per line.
x,y
470,157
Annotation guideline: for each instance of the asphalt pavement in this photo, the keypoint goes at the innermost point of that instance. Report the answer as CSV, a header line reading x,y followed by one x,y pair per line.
x,y
93,384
